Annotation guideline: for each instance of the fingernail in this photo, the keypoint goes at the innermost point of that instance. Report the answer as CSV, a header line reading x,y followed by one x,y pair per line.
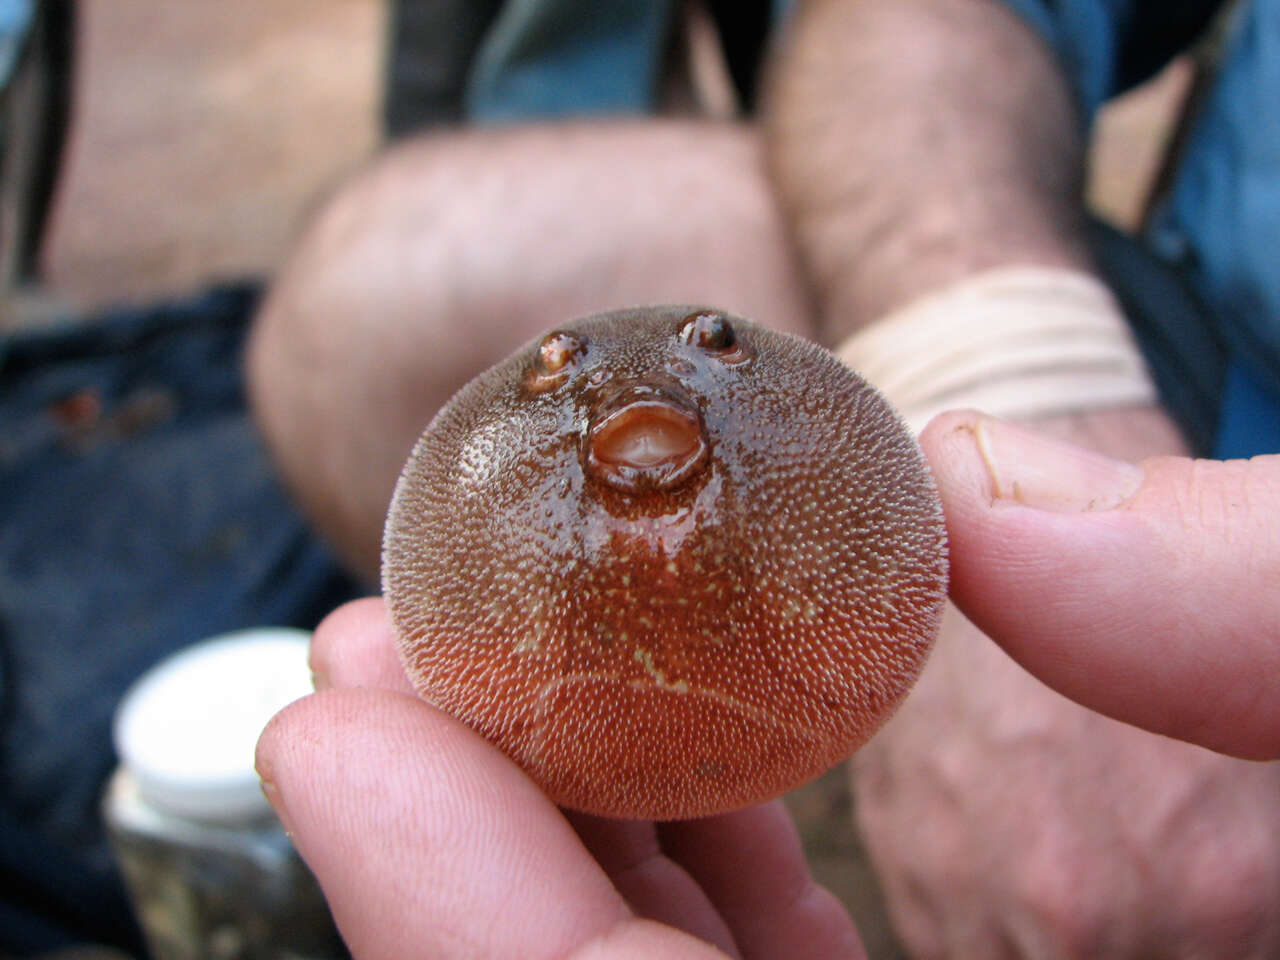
x,y
1037,471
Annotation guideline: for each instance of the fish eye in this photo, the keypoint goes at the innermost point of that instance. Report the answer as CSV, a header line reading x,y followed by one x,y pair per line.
x,y
708,331
559,354
713,334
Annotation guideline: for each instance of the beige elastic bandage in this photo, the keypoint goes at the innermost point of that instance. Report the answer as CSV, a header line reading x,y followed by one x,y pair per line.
x,y
1017,342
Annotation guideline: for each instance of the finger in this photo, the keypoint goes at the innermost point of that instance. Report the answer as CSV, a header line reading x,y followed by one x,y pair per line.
x,y
355,646
752,866
653,885
1147,593
428,842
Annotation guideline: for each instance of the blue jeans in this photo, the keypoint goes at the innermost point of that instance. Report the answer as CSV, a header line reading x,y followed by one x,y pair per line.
x,y
140,514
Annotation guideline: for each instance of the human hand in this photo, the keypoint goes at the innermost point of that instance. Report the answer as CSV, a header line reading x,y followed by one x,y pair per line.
x,y
1006,820
429,842
1150,594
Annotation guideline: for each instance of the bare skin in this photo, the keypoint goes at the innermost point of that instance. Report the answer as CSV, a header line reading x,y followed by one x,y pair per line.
x,y
453,251
441,847
911,143
1051,831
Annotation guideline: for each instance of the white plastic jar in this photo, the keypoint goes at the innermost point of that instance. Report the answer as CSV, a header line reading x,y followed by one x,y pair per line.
x,y
211,872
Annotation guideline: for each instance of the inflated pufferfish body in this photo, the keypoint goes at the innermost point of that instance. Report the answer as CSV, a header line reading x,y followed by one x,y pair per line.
x,y
671,562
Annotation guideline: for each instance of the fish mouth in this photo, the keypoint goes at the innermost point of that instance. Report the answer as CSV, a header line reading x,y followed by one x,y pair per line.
x,y
646,437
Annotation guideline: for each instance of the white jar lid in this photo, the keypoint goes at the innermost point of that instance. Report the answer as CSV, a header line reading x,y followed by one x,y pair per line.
x,y
187,728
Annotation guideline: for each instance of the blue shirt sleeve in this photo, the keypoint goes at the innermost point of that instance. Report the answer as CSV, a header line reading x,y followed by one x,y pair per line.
x,y
1218,226
1108,46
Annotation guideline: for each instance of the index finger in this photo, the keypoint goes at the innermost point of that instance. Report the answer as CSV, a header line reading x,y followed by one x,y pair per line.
x,y
428,842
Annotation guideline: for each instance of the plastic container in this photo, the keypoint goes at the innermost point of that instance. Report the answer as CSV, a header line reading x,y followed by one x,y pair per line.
x,y
211,872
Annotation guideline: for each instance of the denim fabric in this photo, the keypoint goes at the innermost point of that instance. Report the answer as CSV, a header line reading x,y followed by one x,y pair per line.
x,y
15,23
547,59
140,514
1108,46
1219,224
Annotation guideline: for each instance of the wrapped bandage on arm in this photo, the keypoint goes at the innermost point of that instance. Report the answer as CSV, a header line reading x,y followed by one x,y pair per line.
x,y
1015,342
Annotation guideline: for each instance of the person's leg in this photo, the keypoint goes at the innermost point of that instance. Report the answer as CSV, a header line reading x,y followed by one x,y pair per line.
x,y
455,249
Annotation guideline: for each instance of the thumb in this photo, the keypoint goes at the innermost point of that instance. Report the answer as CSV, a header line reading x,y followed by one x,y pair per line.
x,y
1149,593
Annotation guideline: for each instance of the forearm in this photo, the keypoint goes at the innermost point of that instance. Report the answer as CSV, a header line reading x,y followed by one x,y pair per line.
x,y
914,143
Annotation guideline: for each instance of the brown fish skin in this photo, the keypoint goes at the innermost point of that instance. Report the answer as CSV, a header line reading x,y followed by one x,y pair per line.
x,y
671,562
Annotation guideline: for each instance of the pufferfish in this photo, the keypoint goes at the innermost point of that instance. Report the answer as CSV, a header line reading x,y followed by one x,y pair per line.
x,y
670,561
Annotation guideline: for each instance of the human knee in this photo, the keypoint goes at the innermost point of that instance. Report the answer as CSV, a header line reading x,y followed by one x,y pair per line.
x,y
452,249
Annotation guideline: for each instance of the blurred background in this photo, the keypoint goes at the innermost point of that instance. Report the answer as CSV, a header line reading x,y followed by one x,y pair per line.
x,y
198,135
152,149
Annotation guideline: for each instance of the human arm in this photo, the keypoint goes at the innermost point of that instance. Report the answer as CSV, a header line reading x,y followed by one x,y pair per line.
x,y
916,145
